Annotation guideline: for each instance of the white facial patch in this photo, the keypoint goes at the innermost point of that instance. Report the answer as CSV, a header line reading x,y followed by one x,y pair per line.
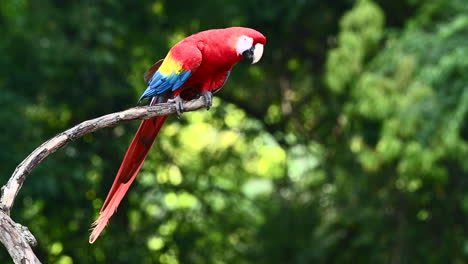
x,y
244,43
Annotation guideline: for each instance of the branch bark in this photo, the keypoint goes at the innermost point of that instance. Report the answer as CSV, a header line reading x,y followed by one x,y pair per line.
x,y
16,238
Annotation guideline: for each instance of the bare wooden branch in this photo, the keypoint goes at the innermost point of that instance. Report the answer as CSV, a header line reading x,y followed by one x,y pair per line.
x,y
10,190
17,239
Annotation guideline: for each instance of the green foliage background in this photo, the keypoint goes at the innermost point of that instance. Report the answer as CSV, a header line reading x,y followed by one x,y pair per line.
x,y
347,143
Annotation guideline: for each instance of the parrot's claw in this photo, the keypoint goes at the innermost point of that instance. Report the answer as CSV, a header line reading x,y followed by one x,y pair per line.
x,y
208,99
177,101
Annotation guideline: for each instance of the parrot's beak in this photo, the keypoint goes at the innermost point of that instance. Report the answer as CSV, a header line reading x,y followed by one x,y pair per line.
x,y
258,52
254,53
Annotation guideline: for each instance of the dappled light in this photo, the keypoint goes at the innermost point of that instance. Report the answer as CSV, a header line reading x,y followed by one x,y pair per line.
x,y
346,143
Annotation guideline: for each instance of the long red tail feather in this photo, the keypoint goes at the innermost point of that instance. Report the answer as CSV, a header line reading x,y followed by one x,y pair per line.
x,y
131,164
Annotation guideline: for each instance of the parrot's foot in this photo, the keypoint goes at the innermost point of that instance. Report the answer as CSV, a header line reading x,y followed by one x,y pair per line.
x,y
177,101
208,99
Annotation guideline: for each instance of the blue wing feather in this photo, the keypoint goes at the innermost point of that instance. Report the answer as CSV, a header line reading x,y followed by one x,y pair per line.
x,y
160,83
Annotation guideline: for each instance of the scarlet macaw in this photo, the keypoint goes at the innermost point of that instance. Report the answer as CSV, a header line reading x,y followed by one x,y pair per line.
x,y
198,64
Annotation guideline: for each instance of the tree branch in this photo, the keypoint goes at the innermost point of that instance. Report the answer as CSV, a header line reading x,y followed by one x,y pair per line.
x,y
14,236
18,240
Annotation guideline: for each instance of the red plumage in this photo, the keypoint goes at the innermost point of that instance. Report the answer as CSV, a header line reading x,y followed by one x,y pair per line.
x,y
208,57
131,164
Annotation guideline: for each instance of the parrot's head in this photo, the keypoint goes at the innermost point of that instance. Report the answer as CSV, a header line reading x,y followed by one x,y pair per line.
x,y
247,43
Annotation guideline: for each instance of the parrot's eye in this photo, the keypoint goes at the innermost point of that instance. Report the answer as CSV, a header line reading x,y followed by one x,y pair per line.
x,y
243,43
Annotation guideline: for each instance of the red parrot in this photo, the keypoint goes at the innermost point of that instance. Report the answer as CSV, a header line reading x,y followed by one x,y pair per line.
x,y
197,65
